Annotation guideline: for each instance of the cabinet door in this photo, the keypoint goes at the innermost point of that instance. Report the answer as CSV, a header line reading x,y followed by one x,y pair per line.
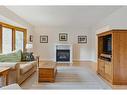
x,y
101,67
108,70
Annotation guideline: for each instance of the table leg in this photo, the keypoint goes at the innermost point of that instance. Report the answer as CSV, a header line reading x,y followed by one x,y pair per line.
x,y
6,79
5,76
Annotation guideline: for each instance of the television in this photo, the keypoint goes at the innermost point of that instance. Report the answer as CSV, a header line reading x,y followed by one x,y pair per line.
x,y
107,44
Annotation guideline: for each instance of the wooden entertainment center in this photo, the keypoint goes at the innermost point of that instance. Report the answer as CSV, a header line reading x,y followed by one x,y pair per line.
x,y
112,56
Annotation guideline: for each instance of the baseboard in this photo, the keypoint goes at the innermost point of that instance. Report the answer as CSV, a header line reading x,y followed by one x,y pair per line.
x,y
72,60
46,60
81,60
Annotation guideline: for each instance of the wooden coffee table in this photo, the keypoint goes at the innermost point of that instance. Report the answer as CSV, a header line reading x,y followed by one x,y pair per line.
x,y
47,71
4,71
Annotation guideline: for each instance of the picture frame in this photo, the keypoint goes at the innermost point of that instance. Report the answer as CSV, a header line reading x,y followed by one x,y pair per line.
x,y
31,38
43,39
82,39
63,37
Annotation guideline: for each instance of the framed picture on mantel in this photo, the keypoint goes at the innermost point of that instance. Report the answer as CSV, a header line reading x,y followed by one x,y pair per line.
x,y
63,37
82,39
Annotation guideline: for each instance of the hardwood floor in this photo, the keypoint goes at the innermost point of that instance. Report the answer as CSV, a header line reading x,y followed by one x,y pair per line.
x,y
79,75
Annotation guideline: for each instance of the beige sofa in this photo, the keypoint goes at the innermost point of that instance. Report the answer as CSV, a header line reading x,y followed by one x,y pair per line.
x,y
20,71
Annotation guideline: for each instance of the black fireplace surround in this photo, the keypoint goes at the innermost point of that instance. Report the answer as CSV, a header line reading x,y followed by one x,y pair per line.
x,y
62,55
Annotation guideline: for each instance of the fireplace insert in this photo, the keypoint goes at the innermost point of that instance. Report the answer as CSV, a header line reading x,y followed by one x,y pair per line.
x,y
63,55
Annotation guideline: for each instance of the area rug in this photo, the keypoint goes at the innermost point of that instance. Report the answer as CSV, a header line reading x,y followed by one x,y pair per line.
x,y
72,78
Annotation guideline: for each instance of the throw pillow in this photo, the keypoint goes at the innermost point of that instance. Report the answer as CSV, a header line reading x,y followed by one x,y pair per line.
x,y
27,56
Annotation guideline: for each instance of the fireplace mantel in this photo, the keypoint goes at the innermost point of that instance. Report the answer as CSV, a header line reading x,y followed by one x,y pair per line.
x,y
64,47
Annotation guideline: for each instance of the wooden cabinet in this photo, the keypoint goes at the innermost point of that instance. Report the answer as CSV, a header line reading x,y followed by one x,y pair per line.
x,y
108,71
113,66
47,71
101,67
105,69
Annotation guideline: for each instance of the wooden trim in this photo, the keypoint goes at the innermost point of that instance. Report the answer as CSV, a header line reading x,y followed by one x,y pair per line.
x,y
20,29
111,31
0,39
104,33
13,39
14,29
25,39
11,26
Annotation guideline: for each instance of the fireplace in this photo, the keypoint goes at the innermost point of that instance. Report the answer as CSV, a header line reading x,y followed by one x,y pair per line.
x,y
63,55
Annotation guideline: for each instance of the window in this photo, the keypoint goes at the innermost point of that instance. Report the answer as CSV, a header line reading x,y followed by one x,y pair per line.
x,y
11,38
6,40
19,40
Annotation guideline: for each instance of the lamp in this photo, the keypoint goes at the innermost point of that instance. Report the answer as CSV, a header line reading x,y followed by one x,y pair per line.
x,y
29,46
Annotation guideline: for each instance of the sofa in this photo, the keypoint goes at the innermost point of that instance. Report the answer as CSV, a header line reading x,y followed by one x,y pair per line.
x,y
19,70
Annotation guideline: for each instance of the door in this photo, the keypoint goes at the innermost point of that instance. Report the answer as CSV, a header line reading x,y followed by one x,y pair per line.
x,y
108,70
101,67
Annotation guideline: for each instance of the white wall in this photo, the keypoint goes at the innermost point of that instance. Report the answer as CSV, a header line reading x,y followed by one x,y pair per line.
x,y
46,50
116,20
9,17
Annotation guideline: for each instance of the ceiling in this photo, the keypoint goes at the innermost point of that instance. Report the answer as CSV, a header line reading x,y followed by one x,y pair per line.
x,y
85,16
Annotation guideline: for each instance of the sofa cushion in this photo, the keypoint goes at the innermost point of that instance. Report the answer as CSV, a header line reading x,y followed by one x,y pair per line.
x,y
25,67
33,63
11,57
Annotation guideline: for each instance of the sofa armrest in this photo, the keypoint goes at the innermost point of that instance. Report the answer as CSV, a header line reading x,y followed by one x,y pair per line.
x,y
18,69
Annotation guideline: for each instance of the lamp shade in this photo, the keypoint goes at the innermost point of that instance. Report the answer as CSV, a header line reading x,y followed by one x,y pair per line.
x,y
29,46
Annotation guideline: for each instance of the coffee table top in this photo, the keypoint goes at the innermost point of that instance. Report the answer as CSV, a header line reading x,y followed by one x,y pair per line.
x,y
2,69
47,64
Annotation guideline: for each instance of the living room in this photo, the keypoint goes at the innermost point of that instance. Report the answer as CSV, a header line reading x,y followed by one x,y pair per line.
x,y
43,30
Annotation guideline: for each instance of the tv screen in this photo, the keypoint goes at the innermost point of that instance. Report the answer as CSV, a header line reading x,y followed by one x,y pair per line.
x,y
107,44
